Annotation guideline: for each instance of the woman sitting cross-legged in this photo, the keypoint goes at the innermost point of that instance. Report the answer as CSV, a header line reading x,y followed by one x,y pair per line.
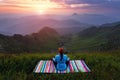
x,y
61,60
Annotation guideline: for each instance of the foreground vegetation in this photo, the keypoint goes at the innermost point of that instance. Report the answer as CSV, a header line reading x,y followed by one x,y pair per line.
x,y
104,66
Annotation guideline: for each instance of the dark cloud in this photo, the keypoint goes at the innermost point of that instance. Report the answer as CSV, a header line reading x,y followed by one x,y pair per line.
x,y
109,5
85,1
95,3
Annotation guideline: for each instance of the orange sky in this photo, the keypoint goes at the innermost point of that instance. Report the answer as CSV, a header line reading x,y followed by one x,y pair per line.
x,y
38,6
60,6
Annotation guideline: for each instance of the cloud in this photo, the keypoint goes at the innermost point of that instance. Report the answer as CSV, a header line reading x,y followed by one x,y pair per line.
x,y
79,5
32,3
90,5
96,5
45,3
81,1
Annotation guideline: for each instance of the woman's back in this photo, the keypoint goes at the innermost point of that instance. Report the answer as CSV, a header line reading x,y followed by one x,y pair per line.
x,y
61,63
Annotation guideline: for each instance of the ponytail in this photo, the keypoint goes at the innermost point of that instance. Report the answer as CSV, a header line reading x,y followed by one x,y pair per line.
x,y
61,56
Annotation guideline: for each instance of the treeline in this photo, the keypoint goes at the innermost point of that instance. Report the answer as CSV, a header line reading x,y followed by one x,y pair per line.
x,y
46,40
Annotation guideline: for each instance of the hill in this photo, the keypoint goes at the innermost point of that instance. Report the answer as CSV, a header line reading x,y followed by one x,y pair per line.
x,y
43,41
96,38
100,38
70,30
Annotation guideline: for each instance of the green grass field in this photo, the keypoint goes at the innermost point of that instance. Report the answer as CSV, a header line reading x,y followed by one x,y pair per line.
x,y
103,65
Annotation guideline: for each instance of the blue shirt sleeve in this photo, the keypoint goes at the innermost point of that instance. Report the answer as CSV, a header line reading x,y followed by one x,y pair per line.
x,y
55,58
67,58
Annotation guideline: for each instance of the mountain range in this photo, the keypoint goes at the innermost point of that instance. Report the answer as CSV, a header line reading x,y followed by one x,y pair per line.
x,y
48,39
31,24
94,38
94,19
66,24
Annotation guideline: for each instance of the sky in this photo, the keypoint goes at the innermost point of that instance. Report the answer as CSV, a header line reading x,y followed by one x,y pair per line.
x,y
60,6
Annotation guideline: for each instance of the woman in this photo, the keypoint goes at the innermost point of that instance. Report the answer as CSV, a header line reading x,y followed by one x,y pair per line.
x,y
61,60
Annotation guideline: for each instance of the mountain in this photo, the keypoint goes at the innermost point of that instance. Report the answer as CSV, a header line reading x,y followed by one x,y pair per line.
x,y
48,39
45,33
110,24
45,40
73,27
96,38
31,24
70,31
26,24
95,19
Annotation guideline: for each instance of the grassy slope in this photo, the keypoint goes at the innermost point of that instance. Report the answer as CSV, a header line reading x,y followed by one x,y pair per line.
x,y
85,43
104,66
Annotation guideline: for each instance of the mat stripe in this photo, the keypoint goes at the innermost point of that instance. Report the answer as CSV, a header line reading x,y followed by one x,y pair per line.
x,y
39,66
80,66
68,69
71,67
35,70
75,68
42,68
86,66
46,67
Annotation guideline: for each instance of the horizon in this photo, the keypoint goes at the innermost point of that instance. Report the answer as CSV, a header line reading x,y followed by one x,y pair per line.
x,y
15,15
108,10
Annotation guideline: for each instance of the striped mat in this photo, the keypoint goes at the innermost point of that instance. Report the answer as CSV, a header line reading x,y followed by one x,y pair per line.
x,y
47,66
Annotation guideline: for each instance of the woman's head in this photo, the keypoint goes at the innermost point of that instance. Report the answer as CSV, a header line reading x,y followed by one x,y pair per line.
x,y
61,50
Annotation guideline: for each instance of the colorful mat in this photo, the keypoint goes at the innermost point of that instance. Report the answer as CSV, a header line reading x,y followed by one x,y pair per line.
x,y
47,66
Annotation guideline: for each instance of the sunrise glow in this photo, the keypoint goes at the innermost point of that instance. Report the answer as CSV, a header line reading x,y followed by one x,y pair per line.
x,y
41,12
58,6
38,6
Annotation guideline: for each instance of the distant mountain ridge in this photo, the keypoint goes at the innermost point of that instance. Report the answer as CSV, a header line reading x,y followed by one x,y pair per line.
x,y
94,19
110,24
31,24
26,24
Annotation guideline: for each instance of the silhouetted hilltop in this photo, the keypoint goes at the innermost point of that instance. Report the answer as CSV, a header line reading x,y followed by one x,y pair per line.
x,y
43,41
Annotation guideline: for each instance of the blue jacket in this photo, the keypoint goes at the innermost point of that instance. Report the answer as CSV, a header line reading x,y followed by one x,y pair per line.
x,y
61,64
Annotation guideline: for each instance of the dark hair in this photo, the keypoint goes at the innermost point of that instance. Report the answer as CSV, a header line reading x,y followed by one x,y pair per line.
x,y
61,55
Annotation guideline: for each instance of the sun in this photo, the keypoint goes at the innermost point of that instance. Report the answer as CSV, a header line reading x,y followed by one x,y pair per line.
x,y
43,6
41,12
37,6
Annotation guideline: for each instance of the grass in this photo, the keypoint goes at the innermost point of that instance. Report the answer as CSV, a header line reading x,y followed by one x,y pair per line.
x,y
79,43
104,66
